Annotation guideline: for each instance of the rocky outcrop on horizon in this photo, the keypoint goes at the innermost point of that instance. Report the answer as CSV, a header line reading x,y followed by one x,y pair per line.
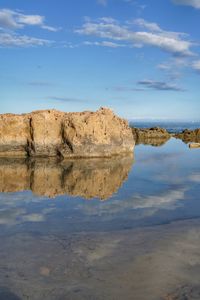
x,y
189,136
51,133
154,136
87,178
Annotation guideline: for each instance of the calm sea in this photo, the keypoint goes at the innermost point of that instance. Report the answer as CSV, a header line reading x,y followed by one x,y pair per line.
x,y
102,229
172,127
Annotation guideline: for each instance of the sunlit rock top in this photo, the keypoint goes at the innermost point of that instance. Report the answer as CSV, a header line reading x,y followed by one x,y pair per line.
x,y
54,133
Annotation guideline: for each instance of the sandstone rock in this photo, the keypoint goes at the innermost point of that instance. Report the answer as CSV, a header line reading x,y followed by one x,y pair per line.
x,y
155,142
194,145
188,136
97,178
97,134
14,135
14,175
88,178
53,133
154,136
46,135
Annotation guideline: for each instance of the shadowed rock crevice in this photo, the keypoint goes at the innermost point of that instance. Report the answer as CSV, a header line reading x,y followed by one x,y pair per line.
x,y
52,133
88,178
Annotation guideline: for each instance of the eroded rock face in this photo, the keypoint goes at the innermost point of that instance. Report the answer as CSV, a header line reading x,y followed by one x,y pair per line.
x,y
46,133
14,135
88,178
96,134
53,133
154,136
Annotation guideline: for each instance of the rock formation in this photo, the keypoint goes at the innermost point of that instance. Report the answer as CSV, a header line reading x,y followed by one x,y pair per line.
x,y
189,136
14,134
194,145
154,136
88,178
52,133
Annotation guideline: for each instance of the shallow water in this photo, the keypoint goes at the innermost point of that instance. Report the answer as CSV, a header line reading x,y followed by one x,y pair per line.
x,y
121,228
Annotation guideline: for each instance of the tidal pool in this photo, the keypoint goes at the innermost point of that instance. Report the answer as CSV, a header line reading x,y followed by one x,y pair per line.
x,y
120,228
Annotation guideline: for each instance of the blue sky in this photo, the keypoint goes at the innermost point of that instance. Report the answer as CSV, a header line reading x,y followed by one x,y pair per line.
x,y
139,57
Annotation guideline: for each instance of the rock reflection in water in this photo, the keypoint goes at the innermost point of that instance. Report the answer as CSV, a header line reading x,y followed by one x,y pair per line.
x,y
156,142
88,178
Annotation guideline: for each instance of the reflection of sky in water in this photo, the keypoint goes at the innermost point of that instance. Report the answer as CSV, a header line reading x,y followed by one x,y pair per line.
x,y
162,186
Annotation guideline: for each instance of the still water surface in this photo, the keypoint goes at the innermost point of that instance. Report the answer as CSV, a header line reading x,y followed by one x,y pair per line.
x,y
121,228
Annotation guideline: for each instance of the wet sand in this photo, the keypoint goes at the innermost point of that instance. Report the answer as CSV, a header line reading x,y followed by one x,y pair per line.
x,y
161,262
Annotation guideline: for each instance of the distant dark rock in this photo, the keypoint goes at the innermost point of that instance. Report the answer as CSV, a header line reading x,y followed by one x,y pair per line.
x,y
154,136
189,136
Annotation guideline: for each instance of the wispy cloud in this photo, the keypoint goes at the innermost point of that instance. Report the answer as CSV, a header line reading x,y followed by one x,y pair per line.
x,y
126,89
173,42
148,25
160,85
145,85
175,66
102,2
137,4
195,177
193,3
15,40
64,99
12,19
41,83
196,65
104,44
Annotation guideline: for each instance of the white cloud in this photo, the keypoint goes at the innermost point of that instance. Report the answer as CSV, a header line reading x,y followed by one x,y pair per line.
x,y
103,44
175,66
50,28
102,2
195,178
155,28
148,25
108,20
12,19
15,40
196,65
168,199
161,200
174,43
34,20
193,3
33,218
7,20
159,85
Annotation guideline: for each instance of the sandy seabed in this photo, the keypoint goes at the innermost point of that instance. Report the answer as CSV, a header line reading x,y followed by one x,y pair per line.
x,y
160,262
